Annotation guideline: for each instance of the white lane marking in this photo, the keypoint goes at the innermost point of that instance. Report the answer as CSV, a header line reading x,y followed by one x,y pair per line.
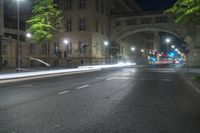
x,y
167,80
193,86
125,78
125,74
84,86
111,78
113,75
63,92
23,86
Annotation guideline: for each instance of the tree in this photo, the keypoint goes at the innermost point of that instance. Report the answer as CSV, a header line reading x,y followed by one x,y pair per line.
x,y
46,21
186,11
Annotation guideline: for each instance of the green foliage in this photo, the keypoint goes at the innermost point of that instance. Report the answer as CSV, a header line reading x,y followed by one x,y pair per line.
x,y
186,11
196,78
46,21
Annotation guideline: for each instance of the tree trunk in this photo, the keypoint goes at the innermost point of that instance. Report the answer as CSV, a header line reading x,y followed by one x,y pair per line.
x,y
1,52
48,52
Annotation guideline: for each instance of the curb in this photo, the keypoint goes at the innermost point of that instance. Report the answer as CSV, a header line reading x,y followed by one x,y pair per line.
x,y
191,83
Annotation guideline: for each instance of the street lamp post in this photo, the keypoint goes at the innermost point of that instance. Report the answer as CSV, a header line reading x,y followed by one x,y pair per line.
x,y
1,52
18,37
133,49
106,49
168,40
66,50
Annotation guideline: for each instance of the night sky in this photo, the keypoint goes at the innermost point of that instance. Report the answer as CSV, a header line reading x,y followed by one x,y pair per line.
x,y
152,5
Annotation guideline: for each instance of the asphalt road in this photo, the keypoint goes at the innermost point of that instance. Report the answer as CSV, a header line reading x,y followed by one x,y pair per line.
x,y
120,100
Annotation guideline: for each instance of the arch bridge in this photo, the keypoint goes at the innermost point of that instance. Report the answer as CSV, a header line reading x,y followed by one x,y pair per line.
x,y
123,25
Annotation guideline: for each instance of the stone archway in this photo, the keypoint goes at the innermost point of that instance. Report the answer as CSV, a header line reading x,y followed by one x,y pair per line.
x,y
172,28
169,28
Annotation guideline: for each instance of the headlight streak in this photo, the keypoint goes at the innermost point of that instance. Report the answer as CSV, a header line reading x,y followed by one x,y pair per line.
x,y
51,72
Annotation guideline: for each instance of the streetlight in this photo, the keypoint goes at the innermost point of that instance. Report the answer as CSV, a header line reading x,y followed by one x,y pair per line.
x,y
106,43
65,41
167,40
18,36
28,35
106,49
132,48
173,46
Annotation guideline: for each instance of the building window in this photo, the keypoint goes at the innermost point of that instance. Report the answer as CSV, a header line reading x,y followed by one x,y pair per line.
x,y
68,4
68,49
82,4
102,7
118,23
82,47
131,22
97,5
146,20
106,29
102,28
107,11
69,24
97,47
5,62
56,48
5,49
44,49
161,19
122,50
82,24
31,49
97,26
56,2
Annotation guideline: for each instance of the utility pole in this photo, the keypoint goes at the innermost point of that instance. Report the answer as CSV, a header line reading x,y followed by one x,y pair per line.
x,y
18,37
1,31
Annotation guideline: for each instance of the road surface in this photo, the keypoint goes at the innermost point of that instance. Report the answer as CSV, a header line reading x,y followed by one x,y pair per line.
x,y
118,100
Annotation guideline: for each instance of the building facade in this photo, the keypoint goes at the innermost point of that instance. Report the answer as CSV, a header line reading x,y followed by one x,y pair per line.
x,y
86,30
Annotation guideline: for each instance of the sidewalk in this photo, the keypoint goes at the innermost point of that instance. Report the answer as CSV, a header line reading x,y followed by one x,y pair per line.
x,y
189,75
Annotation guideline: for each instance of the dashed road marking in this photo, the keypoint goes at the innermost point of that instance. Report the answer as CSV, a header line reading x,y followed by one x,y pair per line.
x,y
84,86
125,78
63,92
23,86
111,78
125,74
